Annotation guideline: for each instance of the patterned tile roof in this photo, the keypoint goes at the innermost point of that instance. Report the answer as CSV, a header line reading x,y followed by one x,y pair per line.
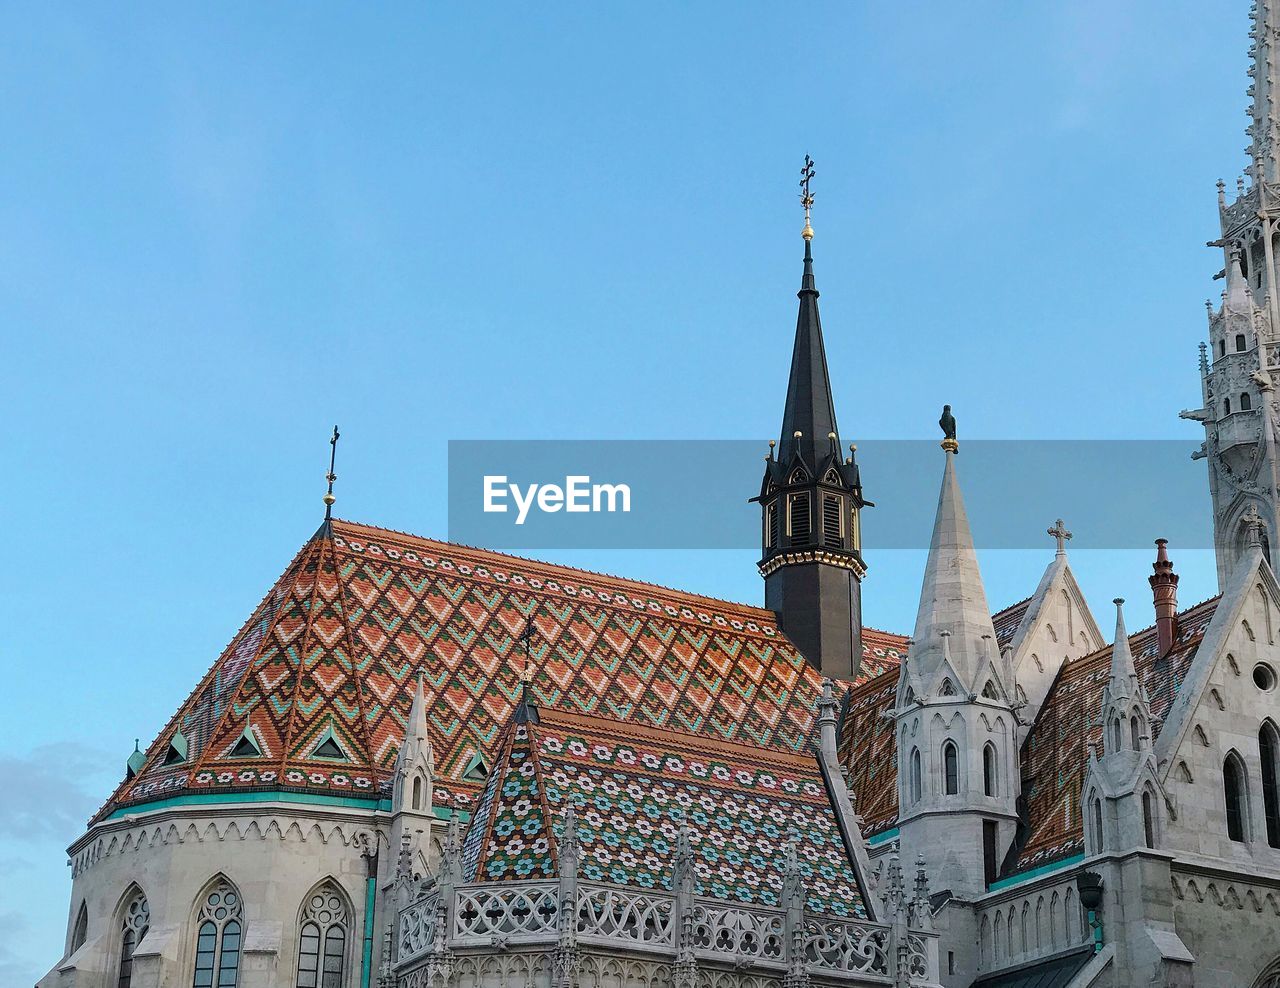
x,y
633,786
869,748
1007,621
1055,756
331,652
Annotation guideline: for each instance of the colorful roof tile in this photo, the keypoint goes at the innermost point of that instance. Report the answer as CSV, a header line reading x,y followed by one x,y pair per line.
x,y
1008,621
633,786
327,662
1055,756
868,746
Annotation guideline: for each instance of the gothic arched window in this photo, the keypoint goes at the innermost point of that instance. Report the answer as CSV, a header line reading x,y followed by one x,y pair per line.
x,y
1116,742
133,927
1098,837
950,769
80,932
1135,732
1269,748
417,792
1246,402
989,780
1149,818
1226,406
915,775
1233,786
218,938
1241,346
322,940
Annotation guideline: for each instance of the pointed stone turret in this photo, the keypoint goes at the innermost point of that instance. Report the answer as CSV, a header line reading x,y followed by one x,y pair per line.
x,y
953,621
958,777
1124,675
811,499
412,792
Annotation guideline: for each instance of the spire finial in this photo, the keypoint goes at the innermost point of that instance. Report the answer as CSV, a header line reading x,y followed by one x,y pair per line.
x,y
331,476
806,197
1060,533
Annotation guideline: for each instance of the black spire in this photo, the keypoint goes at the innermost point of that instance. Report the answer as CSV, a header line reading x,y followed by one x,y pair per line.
x,y
809,409
811,500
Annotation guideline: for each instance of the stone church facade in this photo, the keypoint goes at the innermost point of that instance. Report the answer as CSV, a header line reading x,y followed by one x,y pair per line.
x,y
421,765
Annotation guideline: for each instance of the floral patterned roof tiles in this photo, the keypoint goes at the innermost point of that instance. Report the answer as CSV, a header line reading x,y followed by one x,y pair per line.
x,y
632,787
313,693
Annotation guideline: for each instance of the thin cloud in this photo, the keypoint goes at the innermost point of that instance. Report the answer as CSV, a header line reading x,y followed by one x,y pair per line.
x,y
49,792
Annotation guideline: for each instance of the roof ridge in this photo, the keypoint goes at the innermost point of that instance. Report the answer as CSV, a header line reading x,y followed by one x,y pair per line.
x,y
463,547
618,726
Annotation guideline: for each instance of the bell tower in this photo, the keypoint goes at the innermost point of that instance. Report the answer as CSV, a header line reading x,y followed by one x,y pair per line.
x,y
810,501
1240,362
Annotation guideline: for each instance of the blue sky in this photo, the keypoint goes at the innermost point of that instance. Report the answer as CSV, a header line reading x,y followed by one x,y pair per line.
x,y
224,230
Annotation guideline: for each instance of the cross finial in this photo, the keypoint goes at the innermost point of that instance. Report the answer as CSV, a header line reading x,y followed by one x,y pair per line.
x,y
1060,533
806,197
331,476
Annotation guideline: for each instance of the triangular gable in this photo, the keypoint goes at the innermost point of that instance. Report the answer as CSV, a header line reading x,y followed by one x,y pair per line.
x,y
1179,717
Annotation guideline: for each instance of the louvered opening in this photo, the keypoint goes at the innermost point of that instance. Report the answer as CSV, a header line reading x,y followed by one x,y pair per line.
x,y
800,523
771,526
832,536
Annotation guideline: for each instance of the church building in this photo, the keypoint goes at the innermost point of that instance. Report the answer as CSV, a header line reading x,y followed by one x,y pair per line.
x,y
422,765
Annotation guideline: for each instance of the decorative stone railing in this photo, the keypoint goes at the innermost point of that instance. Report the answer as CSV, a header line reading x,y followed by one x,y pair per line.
x,y
1031,921
507,915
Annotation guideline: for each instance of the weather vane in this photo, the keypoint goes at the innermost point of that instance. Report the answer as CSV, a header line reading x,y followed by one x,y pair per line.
x,y
331,476
806,197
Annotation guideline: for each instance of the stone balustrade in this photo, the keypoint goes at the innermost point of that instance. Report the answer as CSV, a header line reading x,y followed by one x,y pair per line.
x,y
506,916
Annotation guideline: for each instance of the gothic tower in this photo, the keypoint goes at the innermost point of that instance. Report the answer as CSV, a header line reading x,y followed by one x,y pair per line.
x,y
1240,364
958,769
810,501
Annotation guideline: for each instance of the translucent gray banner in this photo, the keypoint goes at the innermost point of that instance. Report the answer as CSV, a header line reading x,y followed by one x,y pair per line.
x,y
530,495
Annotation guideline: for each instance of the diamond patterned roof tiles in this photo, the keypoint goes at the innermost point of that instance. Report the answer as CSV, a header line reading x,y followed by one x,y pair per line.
x,y
333,650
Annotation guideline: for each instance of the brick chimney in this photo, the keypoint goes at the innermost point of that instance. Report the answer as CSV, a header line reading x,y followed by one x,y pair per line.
x,y
1164,589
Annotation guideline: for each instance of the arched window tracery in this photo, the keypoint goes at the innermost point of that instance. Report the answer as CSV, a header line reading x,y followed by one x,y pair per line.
x,y
950,769
322,939
219,931
133,927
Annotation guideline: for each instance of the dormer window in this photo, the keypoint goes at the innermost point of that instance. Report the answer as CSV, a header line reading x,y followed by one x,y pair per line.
x,y
177,752
246,746
328,747
477,769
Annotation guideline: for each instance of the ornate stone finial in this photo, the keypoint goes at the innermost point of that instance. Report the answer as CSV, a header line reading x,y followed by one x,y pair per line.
x,y
1222,191
331,476
1061,535
806,197
948,425
1239,185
